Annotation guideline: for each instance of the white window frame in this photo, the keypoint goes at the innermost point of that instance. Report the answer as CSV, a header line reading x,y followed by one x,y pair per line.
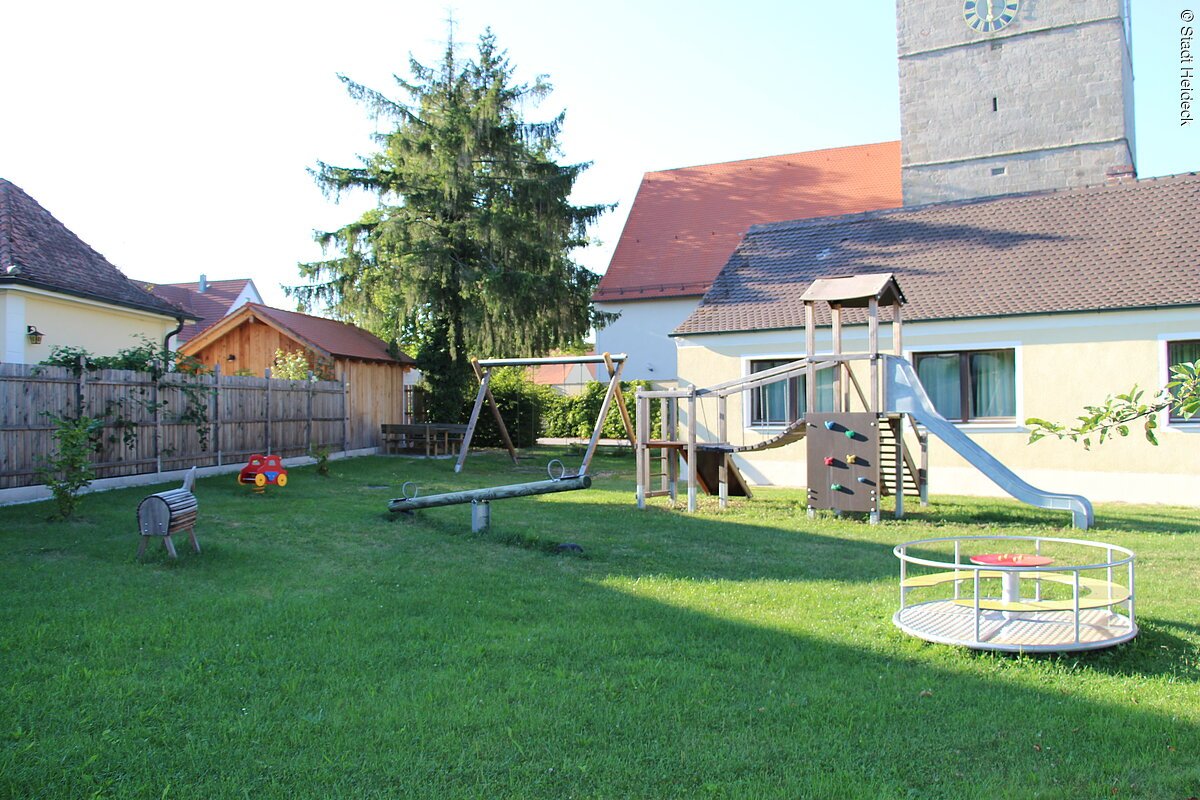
x,y
1017,425
748,403
1164,375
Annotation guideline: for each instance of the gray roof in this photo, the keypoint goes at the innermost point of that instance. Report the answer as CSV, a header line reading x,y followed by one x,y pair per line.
x,y
38,250
1133,244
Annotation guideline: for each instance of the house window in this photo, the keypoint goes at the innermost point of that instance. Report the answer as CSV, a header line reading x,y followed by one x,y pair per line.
x,y
971,385
1182,352
785,401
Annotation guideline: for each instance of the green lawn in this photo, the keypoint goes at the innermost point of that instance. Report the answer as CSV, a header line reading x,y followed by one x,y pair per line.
x,y
318,648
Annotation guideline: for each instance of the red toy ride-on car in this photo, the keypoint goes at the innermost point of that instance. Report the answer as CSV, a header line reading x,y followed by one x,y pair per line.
x,y
263,470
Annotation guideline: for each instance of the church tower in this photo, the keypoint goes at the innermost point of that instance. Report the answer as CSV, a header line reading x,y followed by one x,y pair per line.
x,y
1002,96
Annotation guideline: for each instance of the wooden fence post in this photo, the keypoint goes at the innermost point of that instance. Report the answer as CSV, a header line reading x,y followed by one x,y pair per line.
x,y
80,389
154,399
308,443
345,413
267,375
215,419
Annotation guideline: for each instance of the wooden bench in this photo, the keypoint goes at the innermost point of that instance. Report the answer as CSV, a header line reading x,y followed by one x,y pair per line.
x,y
1093,592
432,438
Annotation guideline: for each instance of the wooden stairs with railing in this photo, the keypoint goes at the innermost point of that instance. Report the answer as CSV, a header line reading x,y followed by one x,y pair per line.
x,y
913,477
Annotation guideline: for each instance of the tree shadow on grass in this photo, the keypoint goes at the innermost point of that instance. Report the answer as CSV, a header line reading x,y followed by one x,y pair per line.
x,y
1149,522
673,546
946,511
681,699
628,674
678,545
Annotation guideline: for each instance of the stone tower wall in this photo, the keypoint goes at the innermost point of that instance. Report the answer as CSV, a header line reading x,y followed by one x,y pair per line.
x,y
1045,103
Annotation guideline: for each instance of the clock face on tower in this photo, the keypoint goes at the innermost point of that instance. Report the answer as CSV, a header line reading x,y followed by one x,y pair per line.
x,y
989,16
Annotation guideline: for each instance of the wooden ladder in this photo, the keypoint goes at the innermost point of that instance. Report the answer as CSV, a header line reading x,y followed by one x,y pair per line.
x,y
913,477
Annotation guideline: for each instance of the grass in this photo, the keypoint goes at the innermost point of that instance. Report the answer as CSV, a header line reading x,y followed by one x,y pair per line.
x,y
319,648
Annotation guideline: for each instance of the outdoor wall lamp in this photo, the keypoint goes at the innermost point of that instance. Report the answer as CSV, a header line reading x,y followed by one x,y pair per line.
x,y
35,336
231,357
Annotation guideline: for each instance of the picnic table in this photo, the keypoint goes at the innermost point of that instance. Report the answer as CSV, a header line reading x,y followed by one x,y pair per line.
x,y
432,438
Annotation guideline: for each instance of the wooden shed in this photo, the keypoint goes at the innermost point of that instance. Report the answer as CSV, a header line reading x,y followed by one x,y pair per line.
x,y
247,339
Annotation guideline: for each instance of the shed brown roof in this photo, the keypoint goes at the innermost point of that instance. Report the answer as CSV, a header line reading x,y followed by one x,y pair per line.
x,y
38,250
1134,244
684,223
339,339
209,306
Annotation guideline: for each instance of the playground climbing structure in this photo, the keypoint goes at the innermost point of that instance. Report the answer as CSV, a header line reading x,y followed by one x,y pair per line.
x,y
872,443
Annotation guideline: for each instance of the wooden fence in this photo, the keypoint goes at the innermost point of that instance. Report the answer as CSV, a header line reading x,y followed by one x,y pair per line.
x,y
174,422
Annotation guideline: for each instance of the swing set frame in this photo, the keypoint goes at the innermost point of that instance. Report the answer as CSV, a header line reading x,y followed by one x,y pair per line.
x,y
483,372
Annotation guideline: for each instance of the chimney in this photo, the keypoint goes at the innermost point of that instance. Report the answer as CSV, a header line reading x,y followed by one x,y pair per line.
x,y
203,283
1125,173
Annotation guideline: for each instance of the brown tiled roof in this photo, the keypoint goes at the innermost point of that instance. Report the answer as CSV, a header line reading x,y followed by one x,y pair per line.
x,y
209,306
684,223
1134,244
336,338
38,250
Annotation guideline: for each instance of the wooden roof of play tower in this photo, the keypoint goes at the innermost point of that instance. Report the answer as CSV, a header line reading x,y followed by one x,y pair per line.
x,y
855,291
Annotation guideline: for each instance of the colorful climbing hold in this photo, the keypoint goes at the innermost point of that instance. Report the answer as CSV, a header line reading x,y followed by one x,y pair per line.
x,y
851,459
830,425
835,487
863,479
850,434
829,461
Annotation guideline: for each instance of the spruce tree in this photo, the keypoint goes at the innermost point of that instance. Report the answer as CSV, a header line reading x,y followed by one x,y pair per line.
x,y
469,250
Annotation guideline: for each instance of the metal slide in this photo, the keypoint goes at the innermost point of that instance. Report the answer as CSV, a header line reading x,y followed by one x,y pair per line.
x,y
906,395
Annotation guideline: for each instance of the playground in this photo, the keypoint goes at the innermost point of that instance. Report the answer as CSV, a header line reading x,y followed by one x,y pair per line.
x,y
323,646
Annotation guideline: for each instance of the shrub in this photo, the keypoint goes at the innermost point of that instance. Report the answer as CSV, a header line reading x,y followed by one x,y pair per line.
x,y
294,365
522,404
573,416
69,470
321,454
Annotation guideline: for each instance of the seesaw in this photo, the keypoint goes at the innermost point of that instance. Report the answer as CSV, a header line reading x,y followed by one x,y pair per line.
x,y
480,499
560,481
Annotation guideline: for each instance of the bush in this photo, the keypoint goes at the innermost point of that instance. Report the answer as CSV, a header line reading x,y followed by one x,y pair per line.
x,y
69,470
572,416
522,404
146,356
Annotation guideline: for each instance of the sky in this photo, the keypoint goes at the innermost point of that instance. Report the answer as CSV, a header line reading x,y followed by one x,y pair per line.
x,y
176,138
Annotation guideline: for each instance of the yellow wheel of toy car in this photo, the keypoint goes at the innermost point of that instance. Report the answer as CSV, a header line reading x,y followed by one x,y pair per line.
x,y
281,480
260,480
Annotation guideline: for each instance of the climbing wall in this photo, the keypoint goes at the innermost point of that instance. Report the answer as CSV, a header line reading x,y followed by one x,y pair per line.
x,y
843,462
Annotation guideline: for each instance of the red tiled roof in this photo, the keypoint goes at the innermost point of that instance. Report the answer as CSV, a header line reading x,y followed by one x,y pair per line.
x,y
209,306
38,250
337,338
560,374
684,223
1133,244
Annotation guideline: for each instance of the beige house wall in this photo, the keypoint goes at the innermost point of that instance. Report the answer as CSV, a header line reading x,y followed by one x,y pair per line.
x,y
1063,362
67,321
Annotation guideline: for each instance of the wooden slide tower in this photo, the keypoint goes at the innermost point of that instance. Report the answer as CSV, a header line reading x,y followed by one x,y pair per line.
x,y
857,452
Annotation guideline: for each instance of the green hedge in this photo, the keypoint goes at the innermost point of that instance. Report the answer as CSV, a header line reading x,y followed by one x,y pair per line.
x,y
531,410
522,404
573,416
